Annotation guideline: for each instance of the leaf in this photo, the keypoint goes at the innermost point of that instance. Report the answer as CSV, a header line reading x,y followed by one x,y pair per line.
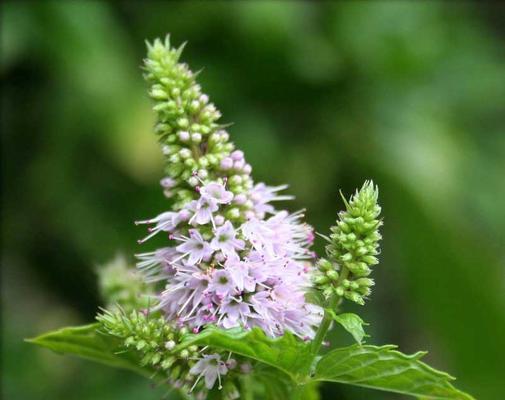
x,y
286,353
384,368
86,342
276,385
273,384
352,323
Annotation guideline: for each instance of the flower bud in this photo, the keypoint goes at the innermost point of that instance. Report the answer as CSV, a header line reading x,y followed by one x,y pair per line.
x,y
193,181
237,155
355,297
247,169
196,137
183,123
332,274
321,279
170,345
233,213
183,136
226,163
185,153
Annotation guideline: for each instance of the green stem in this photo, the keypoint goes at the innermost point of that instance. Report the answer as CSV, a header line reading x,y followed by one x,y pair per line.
x,y
298,392
246,392
325,324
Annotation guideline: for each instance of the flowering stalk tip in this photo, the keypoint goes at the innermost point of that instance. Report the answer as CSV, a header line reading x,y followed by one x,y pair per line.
x,y
231,259
353,248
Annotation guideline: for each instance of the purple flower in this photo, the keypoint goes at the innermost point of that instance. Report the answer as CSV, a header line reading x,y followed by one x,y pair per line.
x,y
211,367
194,247
262,194
258,233
235,313
222,283
216,192
225,240
240,274
157,265
203,210
166,221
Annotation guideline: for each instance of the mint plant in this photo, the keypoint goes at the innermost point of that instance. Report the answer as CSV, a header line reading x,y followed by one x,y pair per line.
x,y
236,304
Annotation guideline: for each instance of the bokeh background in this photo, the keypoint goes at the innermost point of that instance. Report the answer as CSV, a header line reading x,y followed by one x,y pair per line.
x,y
323,96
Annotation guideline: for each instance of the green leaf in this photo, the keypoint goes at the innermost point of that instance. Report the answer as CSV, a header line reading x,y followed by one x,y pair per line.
x,y
384,368
272,384
86,342
351,323
287,353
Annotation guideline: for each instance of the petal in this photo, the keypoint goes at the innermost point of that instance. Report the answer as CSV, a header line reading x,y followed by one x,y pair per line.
x,y
210,377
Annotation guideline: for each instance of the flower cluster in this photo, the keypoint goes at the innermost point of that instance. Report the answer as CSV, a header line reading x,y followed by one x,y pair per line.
x,y
352,249
160,345
253,274
232,259
121,285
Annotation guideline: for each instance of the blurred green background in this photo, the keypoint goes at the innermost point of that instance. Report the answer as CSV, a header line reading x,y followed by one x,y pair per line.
x,y
323,96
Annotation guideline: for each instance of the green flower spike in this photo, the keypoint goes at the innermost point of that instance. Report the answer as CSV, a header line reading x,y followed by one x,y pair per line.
x,y
352,249
196,147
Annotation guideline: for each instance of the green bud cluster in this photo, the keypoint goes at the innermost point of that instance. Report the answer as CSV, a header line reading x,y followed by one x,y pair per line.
x,y
353,248
193,142
156,342
120,284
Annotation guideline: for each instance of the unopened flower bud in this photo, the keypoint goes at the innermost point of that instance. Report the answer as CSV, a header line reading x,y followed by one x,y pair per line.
x,y
183,122
347,257
239,164
237,155
196,137
226,163
183,136
247,169
194,106
167,362
245,368
365,282
321,280
240,199
219,220
353,296
203,162
332,274
234,213
170,345
235,180
185,153
324,265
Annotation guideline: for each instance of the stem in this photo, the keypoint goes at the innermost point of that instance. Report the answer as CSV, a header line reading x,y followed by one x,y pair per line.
x,y
325,324
298,393
246,392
